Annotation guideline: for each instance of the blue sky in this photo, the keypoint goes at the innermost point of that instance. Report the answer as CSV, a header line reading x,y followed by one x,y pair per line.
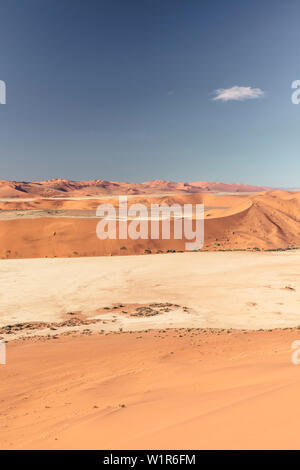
x,y
123,90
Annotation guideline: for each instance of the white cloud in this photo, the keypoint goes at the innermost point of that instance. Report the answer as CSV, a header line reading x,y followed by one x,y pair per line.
x,y
237,93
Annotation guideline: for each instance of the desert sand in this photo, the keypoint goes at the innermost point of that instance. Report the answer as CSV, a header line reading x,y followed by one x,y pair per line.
x,y
66,227
207,290
158,390
108,350
180,377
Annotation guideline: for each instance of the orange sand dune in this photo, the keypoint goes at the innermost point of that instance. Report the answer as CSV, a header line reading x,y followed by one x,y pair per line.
x,y
178,390
271,221
67,237
67,188
48,228
92,203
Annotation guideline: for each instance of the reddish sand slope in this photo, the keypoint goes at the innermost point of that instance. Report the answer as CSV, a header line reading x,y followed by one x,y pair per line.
x,y
271,221
48,228
167,390
63,188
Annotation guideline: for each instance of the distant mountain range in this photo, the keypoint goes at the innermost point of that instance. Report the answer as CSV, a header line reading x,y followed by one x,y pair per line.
x,y
68,188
